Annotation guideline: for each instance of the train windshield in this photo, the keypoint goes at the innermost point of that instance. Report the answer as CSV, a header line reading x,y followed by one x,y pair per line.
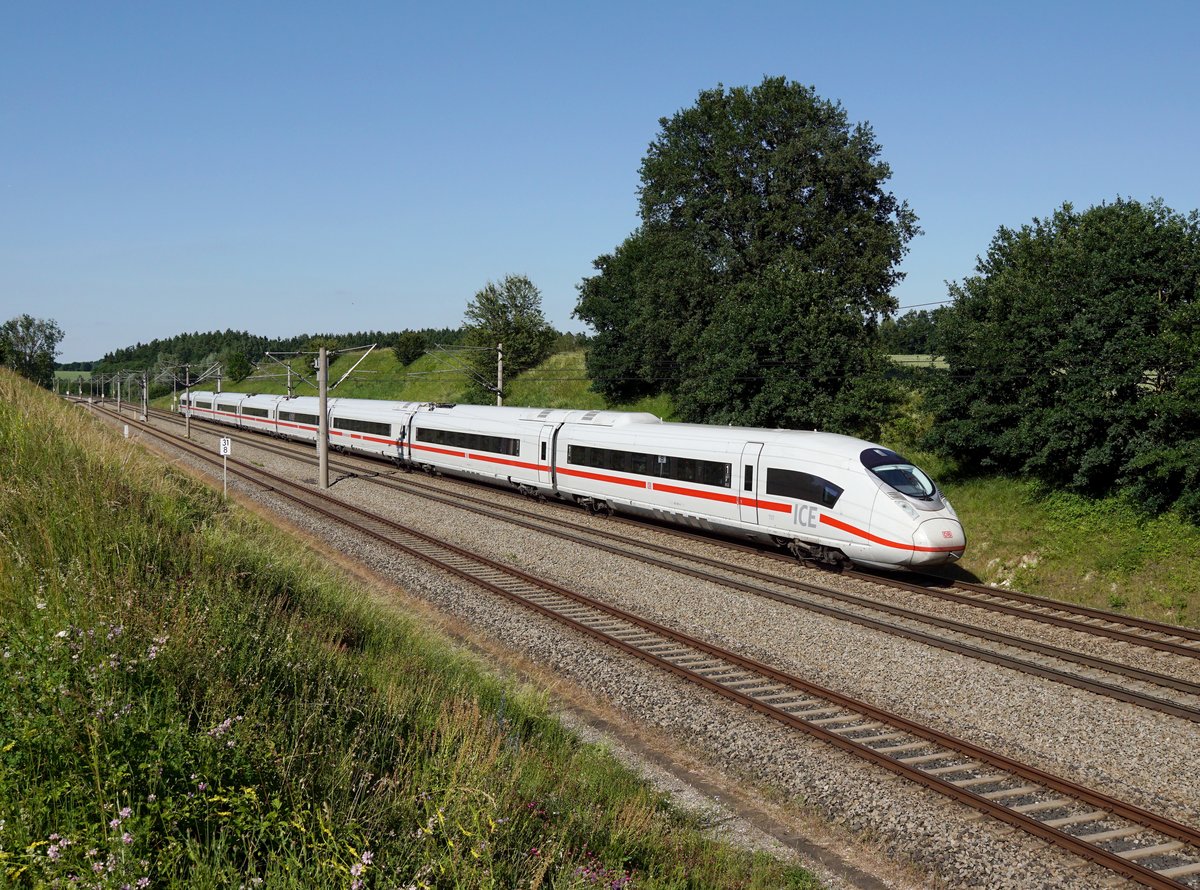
x,y
899,473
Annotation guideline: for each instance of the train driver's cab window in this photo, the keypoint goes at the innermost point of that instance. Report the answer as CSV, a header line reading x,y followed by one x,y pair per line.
x,y
899,473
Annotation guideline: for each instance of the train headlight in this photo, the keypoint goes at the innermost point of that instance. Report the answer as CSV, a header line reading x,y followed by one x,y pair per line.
x,y
904,505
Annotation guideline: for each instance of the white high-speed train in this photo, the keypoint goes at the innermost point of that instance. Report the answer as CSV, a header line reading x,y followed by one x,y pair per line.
x,y
826,497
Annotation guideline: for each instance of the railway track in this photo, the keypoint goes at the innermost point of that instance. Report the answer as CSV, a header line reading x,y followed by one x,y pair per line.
x,y
1136,843
1147,689
1177,640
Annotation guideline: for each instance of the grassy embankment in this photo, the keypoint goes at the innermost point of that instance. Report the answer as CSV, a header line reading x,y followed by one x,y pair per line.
x,y
1100,553
559,382
187,699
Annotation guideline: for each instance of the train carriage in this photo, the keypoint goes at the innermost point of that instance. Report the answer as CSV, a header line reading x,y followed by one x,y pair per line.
x,y
826,497
259,413
369,426
477,441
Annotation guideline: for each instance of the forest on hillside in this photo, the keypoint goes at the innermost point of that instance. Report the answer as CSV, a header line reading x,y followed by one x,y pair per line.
x,y
212,346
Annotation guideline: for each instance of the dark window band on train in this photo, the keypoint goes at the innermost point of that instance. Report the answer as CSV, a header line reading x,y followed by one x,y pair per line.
x,y
232,409
802,487
196,403
473,441
898,473
298,418
362,426
682,469
256,412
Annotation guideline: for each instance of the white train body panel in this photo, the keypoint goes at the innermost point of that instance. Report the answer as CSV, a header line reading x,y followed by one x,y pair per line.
x,y
820,493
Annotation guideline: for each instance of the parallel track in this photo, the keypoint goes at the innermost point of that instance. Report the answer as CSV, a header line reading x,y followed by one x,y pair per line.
x,y
1143,846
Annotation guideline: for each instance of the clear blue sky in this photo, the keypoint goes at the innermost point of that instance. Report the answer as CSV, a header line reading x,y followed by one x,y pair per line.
x,y
295,167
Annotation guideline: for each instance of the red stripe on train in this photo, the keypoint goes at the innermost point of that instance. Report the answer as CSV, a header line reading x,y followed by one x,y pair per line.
x,y
875,539
601,477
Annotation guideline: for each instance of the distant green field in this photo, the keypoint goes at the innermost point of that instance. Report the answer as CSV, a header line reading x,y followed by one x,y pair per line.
x,y
920,361
72,375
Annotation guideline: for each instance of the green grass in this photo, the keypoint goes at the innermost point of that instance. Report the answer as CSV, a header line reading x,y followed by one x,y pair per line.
x,y
1101,553
188,699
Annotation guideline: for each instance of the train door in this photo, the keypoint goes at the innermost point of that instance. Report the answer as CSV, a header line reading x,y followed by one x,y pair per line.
x,y
545,456
746,481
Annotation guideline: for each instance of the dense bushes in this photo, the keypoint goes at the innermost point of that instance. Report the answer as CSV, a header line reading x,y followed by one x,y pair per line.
x,y
1074,355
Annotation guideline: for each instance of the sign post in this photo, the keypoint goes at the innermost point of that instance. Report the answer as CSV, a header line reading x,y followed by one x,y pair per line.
x,y
226,450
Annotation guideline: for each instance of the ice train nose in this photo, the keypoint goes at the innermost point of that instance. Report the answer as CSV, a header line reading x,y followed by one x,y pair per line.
x,y
938,541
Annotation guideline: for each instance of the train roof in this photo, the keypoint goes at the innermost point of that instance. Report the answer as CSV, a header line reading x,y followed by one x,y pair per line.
x,y
815,440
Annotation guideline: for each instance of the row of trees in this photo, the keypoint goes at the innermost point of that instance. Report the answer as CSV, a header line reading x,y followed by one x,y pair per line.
x,y
237,350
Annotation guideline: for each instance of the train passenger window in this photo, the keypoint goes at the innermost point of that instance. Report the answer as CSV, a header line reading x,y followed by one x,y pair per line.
x,y
802,487
683,469
543,451
199,404
293,417
473,441
232,409
748,483
255,412
363,426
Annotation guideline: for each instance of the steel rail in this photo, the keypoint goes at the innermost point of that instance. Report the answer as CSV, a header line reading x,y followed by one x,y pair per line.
x,y
1175,630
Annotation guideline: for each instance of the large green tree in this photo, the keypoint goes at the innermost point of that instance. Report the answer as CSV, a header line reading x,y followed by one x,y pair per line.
x,y
236,366
410,346
1074,354
508,313
29,346
767,253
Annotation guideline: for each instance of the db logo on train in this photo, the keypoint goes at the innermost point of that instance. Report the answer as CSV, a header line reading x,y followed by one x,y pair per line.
x,y
946,534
